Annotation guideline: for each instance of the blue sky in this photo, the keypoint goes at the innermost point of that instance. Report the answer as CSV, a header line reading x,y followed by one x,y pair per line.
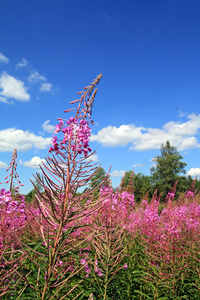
x,y
148,52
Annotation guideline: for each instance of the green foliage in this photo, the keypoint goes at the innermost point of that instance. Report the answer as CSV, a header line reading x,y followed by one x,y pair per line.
x,y
142,184
31,195
98,179
167,170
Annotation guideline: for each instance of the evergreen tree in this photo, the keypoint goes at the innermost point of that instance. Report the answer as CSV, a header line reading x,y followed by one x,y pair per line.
x,y
167,170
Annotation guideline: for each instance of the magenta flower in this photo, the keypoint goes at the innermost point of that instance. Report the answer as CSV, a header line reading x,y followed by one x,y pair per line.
x,y
5,196
125,266
83,261
98,271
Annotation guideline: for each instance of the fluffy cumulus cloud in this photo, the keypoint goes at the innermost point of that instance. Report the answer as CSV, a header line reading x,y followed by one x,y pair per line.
x,y
46,87
4,59
12,138
23,63
47,127
180,135
11,87
34,162
117,173
3,165
112,136
194,172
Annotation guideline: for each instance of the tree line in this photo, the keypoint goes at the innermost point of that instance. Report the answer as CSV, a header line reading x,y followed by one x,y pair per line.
x,y
168,171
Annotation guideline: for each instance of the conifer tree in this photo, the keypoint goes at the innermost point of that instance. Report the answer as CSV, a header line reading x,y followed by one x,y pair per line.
x,y
168,168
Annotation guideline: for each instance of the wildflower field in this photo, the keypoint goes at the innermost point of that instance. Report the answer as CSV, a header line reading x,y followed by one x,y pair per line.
x,y
66,245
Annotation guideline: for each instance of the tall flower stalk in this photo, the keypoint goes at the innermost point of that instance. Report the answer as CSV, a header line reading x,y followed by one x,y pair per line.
x,y
14,178
61,210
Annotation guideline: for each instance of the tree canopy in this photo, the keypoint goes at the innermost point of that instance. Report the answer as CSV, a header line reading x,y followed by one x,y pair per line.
x,y
168,168
141,184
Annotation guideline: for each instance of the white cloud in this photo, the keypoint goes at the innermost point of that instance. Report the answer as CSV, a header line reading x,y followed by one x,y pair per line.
x,y
138,165
35,77
4,59
47,127
34,162
22,63
194,172
117,173
12,138
93,157
13,88
180,135
4,100
3,165
187,128
112,136
181,114
46,87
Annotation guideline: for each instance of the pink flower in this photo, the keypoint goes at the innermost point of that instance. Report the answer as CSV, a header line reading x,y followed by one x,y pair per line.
x,y
5,196
125,266
83,261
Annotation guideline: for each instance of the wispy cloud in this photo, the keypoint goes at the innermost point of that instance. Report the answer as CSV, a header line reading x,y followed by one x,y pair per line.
x,y
117,173
3,165
4,100
181,114
35,77
47,127
13,138
180,135
4,59
93,157
138,165
34,162
23,63
13,88
46,87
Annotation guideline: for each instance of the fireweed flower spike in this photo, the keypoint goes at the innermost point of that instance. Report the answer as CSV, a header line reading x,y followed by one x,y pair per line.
x,y
77,132
60,208
7,202
13,173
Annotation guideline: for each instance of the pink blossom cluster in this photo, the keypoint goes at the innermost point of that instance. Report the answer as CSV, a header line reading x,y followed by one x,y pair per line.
x,y
181,220
5,196
116,200
76,131
86,266
170,195
14,210
12,214
177,224
189,194
84,261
